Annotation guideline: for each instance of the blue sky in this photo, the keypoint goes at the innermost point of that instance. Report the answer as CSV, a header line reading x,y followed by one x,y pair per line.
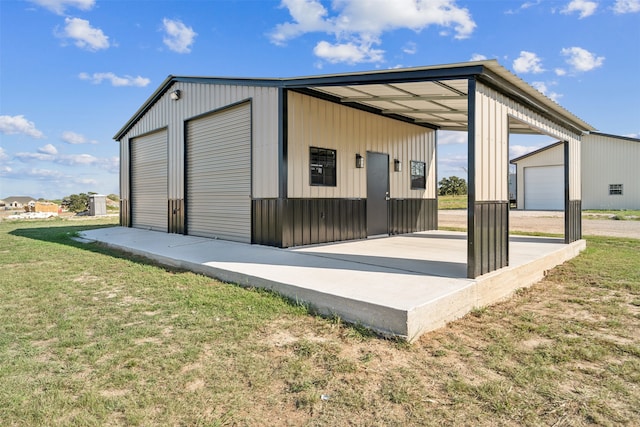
x,y
72,72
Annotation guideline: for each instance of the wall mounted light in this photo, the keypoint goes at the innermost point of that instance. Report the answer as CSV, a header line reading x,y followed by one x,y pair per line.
x,y
175,95
397,165
359,161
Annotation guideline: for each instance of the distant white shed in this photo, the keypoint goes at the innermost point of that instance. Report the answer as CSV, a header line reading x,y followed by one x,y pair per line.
x,y
610,174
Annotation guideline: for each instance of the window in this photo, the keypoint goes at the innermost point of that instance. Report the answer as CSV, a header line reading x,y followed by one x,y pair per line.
x,y
615,189
418,179
323,166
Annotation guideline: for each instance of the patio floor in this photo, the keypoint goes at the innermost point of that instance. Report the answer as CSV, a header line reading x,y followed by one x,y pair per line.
x,y
401,286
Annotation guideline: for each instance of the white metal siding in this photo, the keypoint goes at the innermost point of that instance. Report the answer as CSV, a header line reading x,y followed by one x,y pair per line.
x,y
492,109
199,98
314,122
610,160
491,146
219,175
149,181
544,188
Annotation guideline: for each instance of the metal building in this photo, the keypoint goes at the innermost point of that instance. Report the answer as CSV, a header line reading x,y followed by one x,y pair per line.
x,y
610,175
306,160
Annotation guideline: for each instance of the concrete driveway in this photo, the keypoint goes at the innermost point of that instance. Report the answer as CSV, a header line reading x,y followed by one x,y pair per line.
x,y
548,222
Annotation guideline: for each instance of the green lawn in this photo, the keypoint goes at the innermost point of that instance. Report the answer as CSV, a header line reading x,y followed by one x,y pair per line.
x,y
452,202
90,336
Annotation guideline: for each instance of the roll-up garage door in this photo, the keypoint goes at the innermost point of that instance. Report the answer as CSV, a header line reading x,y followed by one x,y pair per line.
x,y
218,169
544,188
149,181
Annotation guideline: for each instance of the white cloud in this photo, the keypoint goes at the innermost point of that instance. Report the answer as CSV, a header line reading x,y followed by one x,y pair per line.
x,y
516,151
560,72
528,62
523,6
410,48
86,181
347,52
76,159
581,59
48,149
71,137
626,6
179,37
584,7
358,24
477,57
49,153
308,15
11,125
3,154
85,36
27,157
59,6
543,88
454,164
451,137
110,164
44,174
97,78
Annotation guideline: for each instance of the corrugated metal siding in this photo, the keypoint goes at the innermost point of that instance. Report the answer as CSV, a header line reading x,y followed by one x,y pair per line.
x,y
219,175
318,123
492,109
197,99
491,146
609,160
125,165
149,181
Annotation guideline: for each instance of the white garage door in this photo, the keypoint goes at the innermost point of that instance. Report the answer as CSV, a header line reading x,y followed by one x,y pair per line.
x,y
149,181
544,188
218,162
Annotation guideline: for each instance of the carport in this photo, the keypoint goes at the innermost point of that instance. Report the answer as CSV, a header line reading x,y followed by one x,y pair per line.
x,y
490,103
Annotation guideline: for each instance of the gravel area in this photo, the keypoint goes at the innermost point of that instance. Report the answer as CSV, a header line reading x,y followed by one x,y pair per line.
x,y
548,222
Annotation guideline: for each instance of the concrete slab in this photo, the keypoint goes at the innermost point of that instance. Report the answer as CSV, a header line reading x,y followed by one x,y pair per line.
x,y
401,285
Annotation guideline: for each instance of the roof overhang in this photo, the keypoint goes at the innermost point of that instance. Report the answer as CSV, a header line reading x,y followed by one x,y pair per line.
x,y
431,96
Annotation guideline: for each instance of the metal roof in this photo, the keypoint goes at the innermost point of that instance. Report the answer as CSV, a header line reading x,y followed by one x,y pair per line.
x,y
433,96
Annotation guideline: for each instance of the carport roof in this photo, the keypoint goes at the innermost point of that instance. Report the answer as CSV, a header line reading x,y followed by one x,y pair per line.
x,y
432,96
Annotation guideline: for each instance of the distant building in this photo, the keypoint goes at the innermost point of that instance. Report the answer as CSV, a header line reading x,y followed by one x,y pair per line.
x,y
19,202
610,175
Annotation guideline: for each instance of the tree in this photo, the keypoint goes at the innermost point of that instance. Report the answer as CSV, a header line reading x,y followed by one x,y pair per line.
x,y
76,202
452,186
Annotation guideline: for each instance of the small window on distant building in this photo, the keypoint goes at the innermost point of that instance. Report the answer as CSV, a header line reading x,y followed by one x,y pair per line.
x,y
322,166
418,178
615,189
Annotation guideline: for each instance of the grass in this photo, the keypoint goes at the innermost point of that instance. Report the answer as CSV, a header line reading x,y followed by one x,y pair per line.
x,y
90,336
624,215
452,202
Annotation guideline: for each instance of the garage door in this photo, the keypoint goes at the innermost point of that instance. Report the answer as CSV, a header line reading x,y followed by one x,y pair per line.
x,y
544,188
149,181
218,169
